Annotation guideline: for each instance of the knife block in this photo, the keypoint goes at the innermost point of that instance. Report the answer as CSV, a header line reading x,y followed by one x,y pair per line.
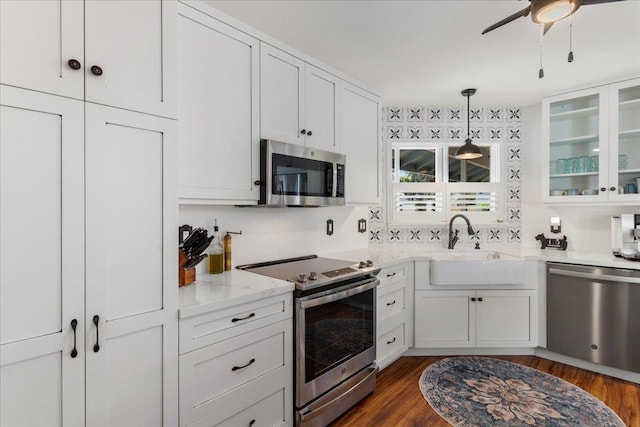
x,y
186,276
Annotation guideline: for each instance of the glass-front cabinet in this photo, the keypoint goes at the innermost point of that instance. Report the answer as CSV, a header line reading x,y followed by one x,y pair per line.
x,y
592,145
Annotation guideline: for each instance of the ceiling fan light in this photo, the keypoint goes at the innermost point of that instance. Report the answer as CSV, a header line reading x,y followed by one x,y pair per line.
x,y
468,151
554,10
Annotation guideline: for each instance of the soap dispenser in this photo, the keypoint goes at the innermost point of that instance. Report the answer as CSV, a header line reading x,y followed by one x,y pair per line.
x,y
216,252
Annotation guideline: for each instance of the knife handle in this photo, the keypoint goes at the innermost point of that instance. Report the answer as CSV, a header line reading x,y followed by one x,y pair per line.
x,y
96,347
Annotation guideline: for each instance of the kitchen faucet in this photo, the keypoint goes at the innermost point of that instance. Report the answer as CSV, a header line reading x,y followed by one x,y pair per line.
x,y
453,238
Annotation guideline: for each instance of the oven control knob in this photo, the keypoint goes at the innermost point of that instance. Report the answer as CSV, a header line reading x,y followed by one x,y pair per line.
x,y
362,264
369,263
302,278
313,276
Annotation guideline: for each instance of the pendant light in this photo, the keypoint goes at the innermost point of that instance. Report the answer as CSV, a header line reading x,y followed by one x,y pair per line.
x,y
468,150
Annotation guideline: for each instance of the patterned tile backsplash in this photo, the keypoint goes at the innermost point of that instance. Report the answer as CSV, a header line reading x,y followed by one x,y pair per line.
x,y
424,123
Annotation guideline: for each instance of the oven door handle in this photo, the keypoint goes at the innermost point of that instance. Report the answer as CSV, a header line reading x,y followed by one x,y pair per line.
x,y
359,288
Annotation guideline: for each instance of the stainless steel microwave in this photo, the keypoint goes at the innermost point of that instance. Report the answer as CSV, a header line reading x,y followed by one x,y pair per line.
x,y
294,175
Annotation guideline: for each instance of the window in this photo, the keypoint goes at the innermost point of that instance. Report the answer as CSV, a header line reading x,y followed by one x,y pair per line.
x,y
428,184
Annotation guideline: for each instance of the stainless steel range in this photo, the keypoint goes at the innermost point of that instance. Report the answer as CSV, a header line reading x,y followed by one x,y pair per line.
x,y
335,330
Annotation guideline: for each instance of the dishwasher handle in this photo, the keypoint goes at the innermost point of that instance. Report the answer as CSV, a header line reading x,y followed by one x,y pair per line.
x,y
603,277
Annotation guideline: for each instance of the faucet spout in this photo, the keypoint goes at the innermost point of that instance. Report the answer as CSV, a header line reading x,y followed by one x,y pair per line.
x,y
453,237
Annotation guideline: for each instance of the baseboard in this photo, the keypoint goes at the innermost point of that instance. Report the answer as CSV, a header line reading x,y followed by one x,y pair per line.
x,y
470,352
601,369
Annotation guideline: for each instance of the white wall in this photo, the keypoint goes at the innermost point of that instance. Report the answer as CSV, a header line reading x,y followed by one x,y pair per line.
x,y
274,233
587,228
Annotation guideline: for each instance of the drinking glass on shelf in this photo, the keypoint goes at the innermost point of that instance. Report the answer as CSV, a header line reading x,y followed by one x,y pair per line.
x,y
583,164
622,162
561,166
574,161
594,163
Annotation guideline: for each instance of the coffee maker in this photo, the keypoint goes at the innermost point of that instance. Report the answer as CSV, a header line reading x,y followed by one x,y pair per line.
x,y
625,236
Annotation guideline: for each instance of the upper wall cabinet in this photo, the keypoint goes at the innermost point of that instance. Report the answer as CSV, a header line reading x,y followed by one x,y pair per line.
x,y
218,110
298,101
120,54
592,145
360,136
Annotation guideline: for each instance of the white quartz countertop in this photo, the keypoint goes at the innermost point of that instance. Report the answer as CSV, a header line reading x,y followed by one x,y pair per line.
x,y
389,255
215,291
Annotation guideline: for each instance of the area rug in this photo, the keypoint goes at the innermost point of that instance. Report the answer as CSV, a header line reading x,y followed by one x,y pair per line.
x,y
482,391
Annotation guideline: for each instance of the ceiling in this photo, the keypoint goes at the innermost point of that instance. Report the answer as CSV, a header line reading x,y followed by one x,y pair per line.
x,y
426,52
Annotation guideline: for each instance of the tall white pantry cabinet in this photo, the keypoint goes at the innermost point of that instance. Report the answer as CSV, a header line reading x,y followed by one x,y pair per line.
x,y
88,213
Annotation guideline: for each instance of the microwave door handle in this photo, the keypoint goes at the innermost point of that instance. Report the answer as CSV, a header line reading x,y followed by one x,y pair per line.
x,y
334,183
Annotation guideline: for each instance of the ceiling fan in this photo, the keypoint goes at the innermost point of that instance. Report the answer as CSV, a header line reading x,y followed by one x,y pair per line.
x,y
546,12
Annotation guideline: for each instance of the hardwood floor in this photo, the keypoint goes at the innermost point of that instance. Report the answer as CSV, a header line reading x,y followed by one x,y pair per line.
x,y
398,402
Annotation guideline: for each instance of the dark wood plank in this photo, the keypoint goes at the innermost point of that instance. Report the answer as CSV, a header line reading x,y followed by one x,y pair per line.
x,y
398,401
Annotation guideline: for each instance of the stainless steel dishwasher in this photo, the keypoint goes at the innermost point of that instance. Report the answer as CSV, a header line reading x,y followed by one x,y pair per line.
x,y
593,313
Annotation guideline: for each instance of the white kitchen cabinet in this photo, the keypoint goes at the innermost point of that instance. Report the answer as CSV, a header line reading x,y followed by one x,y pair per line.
x,y
245,375
394,328
108,52
475,318
218,108
41,259
360,142
298,101
93,188
591,144
131,271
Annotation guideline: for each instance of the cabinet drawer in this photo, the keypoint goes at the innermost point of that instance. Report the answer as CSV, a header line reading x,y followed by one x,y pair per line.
x,y
209,373
391,301
393,274
210,328
267,412
391,342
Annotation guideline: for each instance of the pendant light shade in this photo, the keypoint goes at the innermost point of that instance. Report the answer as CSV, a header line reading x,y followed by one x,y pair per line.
x,y
468,150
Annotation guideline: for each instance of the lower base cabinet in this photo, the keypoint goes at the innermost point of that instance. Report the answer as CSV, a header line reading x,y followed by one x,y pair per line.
x,y
475,318
394,313
244,376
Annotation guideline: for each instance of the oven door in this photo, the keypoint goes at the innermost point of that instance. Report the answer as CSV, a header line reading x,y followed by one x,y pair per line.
x,y
335,338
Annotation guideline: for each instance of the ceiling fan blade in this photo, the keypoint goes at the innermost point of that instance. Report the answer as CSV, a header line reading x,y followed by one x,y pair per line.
x,y
546,27
589,2
523,12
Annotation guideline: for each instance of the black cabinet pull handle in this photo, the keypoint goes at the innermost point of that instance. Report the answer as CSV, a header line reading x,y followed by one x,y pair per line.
x,y
235,368
303,131
309,133
74,64
96,347
473,299
96,71
251,423
392,341
391,275
391,303
480,299
74,352
237,319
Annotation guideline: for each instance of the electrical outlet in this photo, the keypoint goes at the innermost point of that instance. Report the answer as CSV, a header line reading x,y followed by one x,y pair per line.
x,y
362,226
329,227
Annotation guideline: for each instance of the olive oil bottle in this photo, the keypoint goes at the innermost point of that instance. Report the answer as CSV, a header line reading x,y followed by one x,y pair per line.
x,y
216,253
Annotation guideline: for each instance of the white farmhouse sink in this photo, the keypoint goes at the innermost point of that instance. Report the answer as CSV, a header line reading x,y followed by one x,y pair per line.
x,y
476,268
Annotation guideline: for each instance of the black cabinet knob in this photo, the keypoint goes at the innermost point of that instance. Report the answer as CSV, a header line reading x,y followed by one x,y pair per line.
x,y
473,299
96,71
308,133
74,64
612,188
303,131
603,189
480,299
